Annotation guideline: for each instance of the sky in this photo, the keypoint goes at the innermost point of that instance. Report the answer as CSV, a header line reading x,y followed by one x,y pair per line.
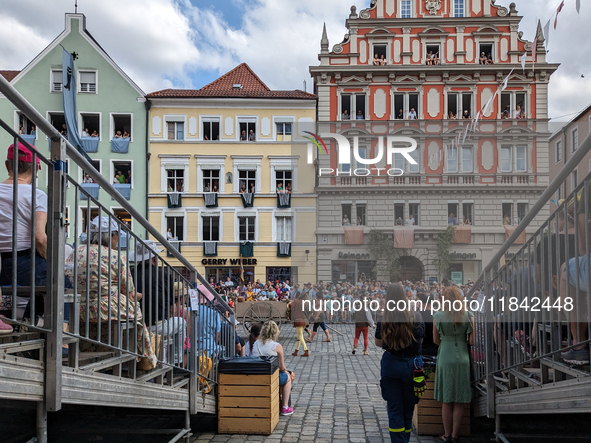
x,y
188,43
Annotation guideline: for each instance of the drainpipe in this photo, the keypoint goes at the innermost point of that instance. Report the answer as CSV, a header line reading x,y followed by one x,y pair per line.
x,y
148,106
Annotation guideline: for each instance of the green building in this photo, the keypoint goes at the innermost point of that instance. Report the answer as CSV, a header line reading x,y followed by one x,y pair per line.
x,y
107,101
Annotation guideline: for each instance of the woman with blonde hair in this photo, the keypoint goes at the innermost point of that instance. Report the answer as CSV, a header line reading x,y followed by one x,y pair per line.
x,y
454,329
400,333
267,345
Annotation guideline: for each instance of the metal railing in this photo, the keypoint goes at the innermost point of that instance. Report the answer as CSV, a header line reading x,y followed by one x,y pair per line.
x,y
532,328
131,313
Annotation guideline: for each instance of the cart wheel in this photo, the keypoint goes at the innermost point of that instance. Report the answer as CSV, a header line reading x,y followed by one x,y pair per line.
x,y
260,312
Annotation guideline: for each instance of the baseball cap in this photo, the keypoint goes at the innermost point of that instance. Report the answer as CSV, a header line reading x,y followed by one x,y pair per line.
x,y
27,158
104,224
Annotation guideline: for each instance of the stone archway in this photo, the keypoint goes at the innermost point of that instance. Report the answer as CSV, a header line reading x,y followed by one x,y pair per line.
x,y
411,268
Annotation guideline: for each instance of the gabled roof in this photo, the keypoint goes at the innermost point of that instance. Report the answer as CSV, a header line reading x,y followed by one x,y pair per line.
x,y
240,82
9,75
85,34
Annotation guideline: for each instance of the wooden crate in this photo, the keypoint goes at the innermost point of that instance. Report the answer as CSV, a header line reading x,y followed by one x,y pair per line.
x,y
248,404
427,416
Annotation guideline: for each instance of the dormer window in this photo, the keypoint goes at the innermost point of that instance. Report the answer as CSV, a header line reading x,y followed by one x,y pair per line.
x,y
236,86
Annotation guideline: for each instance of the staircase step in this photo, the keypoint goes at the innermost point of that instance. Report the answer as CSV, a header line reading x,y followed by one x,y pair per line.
x,y
108,363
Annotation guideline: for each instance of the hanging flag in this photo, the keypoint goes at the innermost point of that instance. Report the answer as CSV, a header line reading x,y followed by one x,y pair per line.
x,y
476,121
465,133
558,12
69,98
523,60
579,7
487,105
547,33
506,81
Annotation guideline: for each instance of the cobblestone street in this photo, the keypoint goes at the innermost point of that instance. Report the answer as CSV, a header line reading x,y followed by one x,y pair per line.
x,y
336,397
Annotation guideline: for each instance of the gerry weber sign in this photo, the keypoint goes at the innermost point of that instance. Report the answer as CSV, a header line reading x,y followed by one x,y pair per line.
x,y
344,154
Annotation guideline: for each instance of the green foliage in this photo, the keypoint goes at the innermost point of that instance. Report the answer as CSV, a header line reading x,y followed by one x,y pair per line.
x,y
444,242
386,258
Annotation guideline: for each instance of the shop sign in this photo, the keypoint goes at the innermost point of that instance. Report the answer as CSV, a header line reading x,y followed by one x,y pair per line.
x,y
353,256
228,261
462,256
457,277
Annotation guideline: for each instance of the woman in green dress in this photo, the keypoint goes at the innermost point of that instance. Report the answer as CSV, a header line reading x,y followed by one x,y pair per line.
x,y
454,328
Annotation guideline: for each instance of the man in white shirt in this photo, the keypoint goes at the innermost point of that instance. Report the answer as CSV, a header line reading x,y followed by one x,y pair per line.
x,y
412,115
411,221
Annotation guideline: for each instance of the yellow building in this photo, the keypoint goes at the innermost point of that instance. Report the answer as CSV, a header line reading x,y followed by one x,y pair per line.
x,y
207,146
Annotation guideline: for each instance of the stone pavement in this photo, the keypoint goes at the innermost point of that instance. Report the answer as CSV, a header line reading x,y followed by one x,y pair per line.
x,y
336,396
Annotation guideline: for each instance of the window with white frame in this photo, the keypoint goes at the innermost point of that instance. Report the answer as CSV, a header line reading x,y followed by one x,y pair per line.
x,y
459,8
486,53
413,214
467,160
121,172
506,160
507,213
459,105
211,128
520,159
361,209
405,8
284,228
513,105
248,129
353,106
25,126
175,179
211,179
283,177
121,126
87,80
175,130
97,165
58,121
558,149
398,214
56,80
452,213
247,179
210,227
246,228
176,224
283,131
91,124
408,102
468,213
380,52
575,139
452,159
522,209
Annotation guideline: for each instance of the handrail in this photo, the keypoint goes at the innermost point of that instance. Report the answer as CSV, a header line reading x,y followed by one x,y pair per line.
x,y
563,175
41,123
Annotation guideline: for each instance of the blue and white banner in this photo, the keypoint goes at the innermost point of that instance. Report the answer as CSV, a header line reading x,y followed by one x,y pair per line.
x,y
69,93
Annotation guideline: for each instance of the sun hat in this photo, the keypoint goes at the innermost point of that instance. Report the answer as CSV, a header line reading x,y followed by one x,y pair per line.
x,y
28,157
104,225
144,251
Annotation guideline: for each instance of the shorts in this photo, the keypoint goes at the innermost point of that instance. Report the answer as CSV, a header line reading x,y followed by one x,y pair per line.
x,y
238,339
319,324
283,377
572,272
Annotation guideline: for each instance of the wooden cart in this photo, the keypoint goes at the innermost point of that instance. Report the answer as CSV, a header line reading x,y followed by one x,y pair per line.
x,y
250,312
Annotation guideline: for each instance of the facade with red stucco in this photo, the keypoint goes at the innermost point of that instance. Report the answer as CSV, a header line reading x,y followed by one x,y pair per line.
x,y
442,61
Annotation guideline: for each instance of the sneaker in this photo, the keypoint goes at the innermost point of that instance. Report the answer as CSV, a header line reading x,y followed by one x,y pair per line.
x,y
286,411
576,356
5,328
354,350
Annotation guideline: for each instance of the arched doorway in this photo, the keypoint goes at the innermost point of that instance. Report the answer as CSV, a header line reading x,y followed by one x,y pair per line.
x,y
411,268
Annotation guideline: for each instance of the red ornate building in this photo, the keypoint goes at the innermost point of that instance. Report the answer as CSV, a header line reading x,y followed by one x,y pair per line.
x,y
438,59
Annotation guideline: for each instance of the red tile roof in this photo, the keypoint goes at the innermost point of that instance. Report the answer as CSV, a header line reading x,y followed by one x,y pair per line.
x,y
223,87
9,75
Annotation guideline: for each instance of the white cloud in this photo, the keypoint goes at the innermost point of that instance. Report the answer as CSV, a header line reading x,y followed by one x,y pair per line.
x,y
165,43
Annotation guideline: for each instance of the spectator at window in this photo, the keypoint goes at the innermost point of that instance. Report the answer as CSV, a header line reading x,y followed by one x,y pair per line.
x,y
412,115
466,221
267,345
180,186
359,221
169,235
125,134
288,188
251,136
506,220
279,188
359,115
466,114
207,188
518,112
85,133
205,137
94,134
111,299
116,178
506,113
454,330
411,220
483,60
33,130
383,61
346,221
346,115
243,188
452,116
450,219
25,171
215,188
64,130
243,136
87,179
252,188
121,178
376,60
21,130
399,221
400,115
430,58
435,58
118,134
489,59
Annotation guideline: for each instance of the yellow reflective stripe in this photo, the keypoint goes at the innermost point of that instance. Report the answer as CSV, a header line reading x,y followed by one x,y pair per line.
x,y
408,431
397,430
